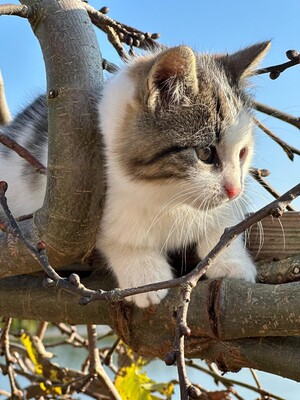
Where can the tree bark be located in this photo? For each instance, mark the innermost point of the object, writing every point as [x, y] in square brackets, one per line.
[69, 218]
[233, 323]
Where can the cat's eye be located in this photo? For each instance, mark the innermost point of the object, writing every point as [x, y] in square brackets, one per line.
[243, 153]
[206, 154]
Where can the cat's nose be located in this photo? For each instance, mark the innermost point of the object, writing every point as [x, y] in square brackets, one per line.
[232, 191]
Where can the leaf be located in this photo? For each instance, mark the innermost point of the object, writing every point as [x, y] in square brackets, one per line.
[40, 357]
[132, 384]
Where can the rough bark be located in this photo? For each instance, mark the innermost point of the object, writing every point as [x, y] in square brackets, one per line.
[69, 218]
[233, 323]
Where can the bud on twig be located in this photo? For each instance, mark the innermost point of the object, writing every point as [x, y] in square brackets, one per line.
[41, 246]
[170, 358]
[74, 279]
[194, 392]
[104, 10]
[274, 75]
[185, 330]
[292, 54]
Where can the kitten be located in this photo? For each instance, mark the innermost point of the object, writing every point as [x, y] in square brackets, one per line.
[178, 135]
[178, 138]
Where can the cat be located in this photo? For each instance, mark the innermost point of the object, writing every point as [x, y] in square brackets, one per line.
[178, 141]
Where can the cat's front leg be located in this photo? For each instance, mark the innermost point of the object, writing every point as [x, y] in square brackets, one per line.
[233, 262]
[137, 268]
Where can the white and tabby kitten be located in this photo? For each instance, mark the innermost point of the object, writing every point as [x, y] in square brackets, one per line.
[178, 139]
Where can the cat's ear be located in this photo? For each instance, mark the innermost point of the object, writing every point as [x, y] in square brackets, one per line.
[242, 64]
[172, 79]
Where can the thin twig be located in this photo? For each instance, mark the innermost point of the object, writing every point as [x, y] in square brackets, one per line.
[289, 150]
[230, 382]
[71, 331]
[255, 377]
[118, 33]
[14, 9]
[109, 66]
[274, 112]
[24, 153]
[96, 367]
[108, 356]
[41, 330]
[9, 359]
[276, 70]
[259, 175]
[13, 228]
[187, 390]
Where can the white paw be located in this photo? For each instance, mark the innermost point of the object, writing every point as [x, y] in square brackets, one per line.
[148, 299]
[144, 271]
[245, 271]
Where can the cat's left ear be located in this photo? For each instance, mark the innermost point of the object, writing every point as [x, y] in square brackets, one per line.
[172, 79]
[243, 63]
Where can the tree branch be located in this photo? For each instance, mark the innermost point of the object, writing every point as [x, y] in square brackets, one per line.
[118, 33]
[96, 367]
[289, 150]
[259, 175]
[24, 297]
[24, 153]
[14, 9]
[273, 112]
[69, 218]
[276, 70]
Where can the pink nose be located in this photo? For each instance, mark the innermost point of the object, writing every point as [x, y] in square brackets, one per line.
[232, 191]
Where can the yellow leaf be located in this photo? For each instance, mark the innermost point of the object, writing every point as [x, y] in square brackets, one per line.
[132, 384]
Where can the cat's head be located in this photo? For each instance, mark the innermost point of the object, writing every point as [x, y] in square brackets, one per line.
[185, 123]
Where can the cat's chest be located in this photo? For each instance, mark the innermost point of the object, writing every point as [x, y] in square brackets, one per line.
[178, 227]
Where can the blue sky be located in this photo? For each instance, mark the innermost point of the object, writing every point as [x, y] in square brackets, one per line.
[214, 26]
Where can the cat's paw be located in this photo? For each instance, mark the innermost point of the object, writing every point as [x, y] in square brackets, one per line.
[148, 299]
[244, 270]
[148, 270]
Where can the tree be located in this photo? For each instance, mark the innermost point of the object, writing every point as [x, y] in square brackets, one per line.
[65, 33]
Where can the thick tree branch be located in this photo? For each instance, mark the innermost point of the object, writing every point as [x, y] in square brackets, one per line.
[69, 219]
[24, 297]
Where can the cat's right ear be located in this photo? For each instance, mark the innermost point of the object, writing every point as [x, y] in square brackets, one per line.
[172, 79]
[242, 64]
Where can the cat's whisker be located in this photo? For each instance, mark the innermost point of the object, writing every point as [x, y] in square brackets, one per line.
[184, 193]
[250, 205]
[180, 217]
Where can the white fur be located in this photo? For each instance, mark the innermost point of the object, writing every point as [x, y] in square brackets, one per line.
[21, 198]
[143, 221]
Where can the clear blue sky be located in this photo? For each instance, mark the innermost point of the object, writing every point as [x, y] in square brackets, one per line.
[215, 26]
